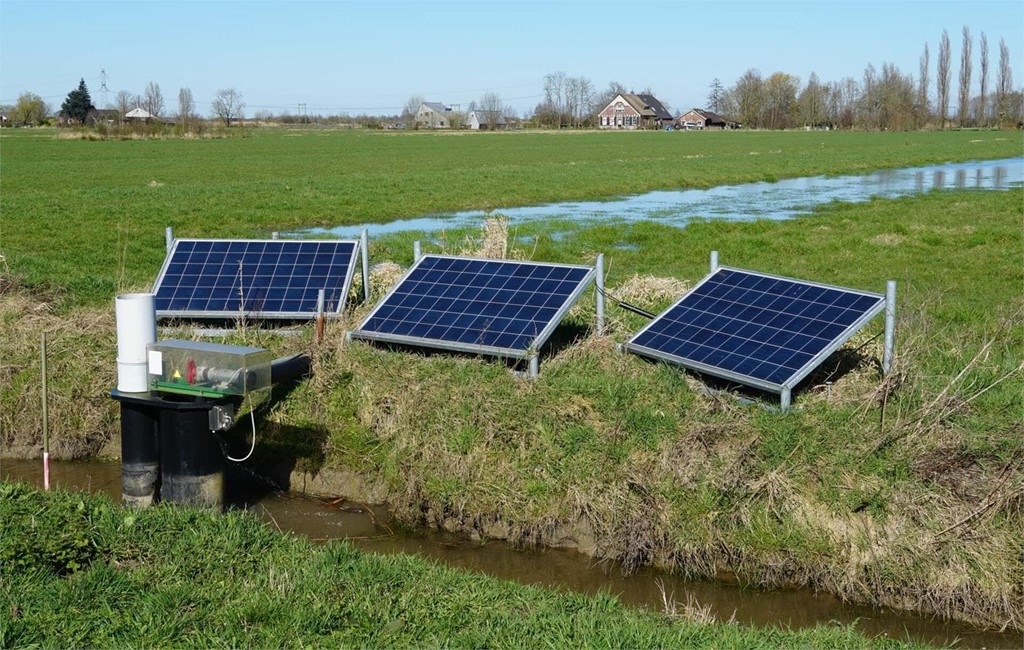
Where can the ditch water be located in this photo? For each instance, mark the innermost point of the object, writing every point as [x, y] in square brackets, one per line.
[370, 528]
[783, 199]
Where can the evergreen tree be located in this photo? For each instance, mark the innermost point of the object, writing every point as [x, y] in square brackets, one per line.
[78, 104]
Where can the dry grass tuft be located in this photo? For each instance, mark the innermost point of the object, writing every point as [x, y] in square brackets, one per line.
[691, 610]
[494, 242]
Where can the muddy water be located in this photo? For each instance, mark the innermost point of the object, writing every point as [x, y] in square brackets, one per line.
[784, 199]
[371, 529]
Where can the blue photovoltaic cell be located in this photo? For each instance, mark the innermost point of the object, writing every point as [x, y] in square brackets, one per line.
[468, 304]
[755, 328]
[261, 279]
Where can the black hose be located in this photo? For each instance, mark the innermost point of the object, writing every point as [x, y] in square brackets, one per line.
[289, 368]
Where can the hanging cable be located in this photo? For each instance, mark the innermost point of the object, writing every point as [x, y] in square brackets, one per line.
[252, 417]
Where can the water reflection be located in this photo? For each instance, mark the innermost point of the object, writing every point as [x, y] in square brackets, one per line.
[784, 199]
[370, 529]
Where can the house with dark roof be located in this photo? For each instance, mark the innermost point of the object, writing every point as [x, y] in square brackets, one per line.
[486, 121]
[698, 118]
[630, 111]
[433, 115]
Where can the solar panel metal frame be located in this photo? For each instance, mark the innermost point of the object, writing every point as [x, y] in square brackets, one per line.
[538, 341]
[798, 375]
[276, 315]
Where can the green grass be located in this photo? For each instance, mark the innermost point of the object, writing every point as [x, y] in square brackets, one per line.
[107, 202]
[169, 577]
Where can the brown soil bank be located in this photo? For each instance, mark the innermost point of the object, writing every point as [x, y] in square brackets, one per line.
[903, 492]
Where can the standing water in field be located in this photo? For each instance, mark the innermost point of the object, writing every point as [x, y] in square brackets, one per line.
[783, 199]
[370, 528]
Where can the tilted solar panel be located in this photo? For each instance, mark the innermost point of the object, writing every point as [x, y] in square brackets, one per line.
[281, 279]
[497, 307]
[756, 329]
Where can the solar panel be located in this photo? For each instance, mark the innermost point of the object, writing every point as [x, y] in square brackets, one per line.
[219, 278]
[496, 307]
[756, 329]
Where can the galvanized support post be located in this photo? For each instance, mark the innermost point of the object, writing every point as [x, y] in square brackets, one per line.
[714, 261]
[364, 249]
[416, 251]
[890, 326]
[785, 399]
[534, 366]
[600, 294]
[320, 300]
[168, 238]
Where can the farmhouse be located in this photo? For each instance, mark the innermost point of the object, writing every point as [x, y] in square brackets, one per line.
[433, 115]
[486, 121]
[629, 111]
[698, 118]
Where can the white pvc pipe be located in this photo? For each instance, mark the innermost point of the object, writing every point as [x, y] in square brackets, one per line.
[136, 328]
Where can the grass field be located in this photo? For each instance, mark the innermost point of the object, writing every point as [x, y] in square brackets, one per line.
[906, 491]
[87, 218]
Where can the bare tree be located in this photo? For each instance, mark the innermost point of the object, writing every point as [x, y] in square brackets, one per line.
[228, 105]
[579, 92]
[412, 107]
[554, 95]
[895, 96]
[489, 110]
[1004, 83]
[870, 101]
[123, 102]
[942, 78]
[965, 79]
[748, 98]
[922, 89]
[983, 98]
[186, 105]
[811, 102]
[153, 101]
[716, 95]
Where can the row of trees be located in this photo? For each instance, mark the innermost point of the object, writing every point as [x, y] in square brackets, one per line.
[885, 99]
[31, 110]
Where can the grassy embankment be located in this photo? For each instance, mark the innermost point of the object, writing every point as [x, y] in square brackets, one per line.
[905, 492]
[76, 572]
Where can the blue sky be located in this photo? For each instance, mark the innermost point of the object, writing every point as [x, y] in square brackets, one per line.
[370, 57]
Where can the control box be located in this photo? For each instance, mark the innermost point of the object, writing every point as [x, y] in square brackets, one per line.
[209, 369]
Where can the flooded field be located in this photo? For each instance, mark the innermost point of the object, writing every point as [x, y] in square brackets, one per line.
[783, 199]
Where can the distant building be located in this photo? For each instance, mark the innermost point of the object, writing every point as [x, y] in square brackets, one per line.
[629, 111]
[138, 114]
[486, 121]
[433, 115]
[698, 118]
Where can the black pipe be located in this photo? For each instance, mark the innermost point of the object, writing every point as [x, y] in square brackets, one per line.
[192, 465]
[289, 368]
[140, 454]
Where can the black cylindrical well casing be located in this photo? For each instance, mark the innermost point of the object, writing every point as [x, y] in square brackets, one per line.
[192, 465]
[140, 455]
[168, 451]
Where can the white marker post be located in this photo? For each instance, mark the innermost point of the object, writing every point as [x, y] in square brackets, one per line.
[600, 294]
[46, 428]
